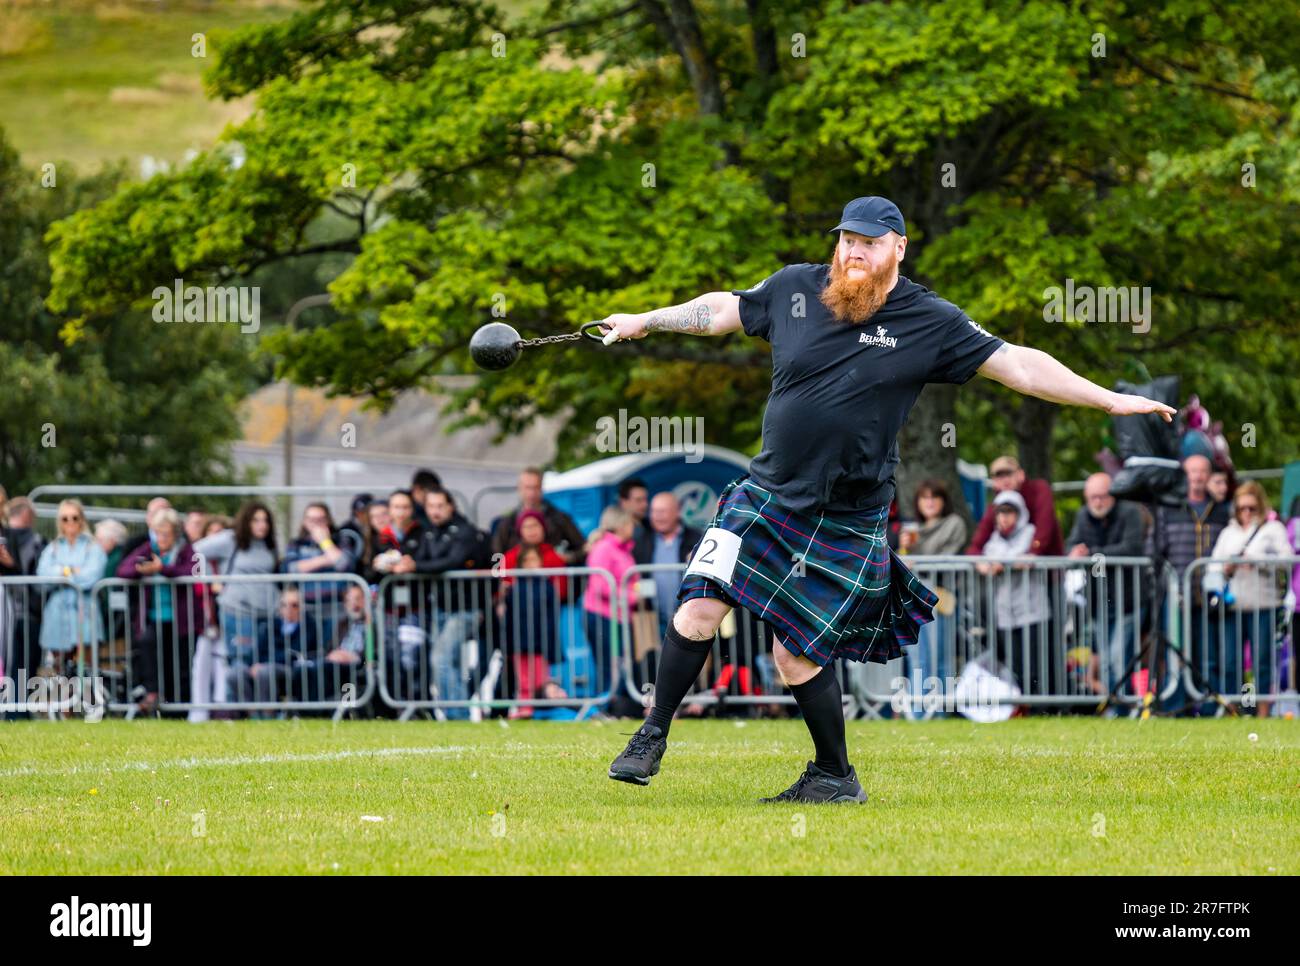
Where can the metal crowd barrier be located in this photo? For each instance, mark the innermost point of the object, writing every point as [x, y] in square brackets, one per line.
[182, 640]
[1062, 629]
[923, 683]
[1236, 618]
[740, 670]
[461, 643]
[43, 646]
[1067, 628]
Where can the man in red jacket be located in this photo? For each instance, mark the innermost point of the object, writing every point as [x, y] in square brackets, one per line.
[1008, 475]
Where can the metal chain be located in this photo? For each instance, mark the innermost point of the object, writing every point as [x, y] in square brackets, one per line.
[548, 339]
[551, 339]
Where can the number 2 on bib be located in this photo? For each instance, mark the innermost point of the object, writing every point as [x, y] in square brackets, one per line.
[716, 555]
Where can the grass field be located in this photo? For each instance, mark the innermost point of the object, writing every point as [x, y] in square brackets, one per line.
[1039, 795]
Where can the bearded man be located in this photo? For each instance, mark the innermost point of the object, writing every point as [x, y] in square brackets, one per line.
[800, 540]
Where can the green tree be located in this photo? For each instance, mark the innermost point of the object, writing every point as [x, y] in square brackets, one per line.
[123, 401]
[595, 156]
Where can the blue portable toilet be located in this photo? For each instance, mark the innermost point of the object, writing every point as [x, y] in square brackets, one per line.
[974, 486]
[585, 491]
[1290, 489]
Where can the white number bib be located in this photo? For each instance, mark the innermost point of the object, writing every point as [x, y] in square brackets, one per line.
[716, 555]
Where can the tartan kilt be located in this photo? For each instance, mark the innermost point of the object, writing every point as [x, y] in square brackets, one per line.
[828, 585]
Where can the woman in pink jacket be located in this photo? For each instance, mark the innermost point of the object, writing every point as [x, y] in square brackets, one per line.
[610, 548]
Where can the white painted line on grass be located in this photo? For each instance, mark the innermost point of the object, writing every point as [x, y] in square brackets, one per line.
[235, 760]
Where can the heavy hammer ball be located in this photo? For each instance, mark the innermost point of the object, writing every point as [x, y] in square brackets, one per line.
[495, 346]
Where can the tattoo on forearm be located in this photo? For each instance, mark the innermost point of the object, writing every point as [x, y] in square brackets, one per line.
[693, 317]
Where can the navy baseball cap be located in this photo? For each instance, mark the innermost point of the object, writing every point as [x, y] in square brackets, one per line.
[871, 216]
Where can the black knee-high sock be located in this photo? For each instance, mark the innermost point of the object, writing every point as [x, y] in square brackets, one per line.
[680, 662]
[820, 701]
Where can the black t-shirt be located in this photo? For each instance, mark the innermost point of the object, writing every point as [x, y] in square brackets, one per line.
[841, 392]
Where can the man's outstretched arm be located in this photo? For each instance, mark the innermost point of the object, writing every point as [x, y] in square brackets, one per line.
[713, 313]
[1035, 373]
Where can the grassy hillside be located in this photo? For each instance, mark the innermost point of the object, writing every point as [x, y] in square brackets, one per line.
[89, 82]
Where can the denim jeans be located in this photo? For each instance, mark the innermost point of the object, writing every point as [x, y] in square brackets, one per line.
[1114, 640]
[451, 629]
[324, 613]
[1259, 628]
[1197, 644]
[600, 638]
[244, 637]
[323, 680]
[407, 664]
[929, 658]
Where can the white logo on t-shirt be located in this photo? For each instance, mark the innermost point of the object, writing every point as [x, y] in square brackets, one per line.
[880, 338]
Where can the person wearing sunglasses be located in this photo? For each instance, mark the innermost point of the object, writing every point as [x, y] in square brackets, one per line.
[70, 620]
[1247, 597]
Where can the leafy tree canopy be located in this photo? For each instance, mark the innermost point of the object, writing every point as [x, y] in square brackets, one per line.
[595, 156]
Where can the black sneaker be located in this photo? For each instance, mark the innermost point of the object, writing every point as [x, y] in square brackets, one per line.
[640, 759]
[820, 787]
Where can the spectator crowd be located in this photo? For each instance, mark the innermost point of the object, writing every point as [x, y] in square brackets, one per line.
[217, 611]
[220, 610]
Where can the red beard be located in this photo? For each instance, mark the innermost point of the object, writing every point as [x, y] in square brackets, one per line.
[854, 300]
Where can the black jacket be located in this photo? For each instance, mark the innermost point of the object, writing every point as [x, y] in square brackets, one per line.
[643, 550]
[353, 539]
[11, 543]
[1120, 533]
[278, 648]
[25, 546]
[456, 545]
[1180, 535]
[409, 545]
[532, 618]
